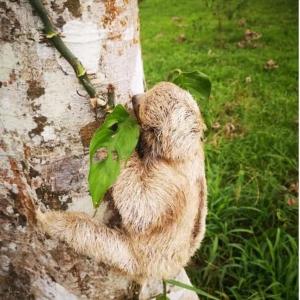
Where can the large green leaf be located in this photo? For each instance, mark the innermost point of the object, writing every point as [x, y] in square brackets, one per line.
[118, 136]
[101, 176]
[100, 139]
[196, 82]
[123, 142]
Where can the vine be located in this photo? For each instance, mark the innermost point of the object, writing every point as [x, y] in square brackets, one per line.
[53, 35]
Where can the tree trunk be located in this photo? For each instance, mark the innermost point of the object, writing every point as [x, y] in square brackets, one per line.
[46, 125]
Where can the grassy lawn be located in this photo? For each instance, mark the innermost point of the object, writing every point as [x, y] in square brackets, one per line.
[251, 246]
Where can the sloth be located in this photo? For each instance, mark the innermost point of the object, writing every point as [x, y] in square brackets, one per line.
[158, 203]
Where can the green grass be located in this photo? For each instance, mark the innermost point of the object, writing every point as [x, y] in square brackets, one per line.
[251, 249]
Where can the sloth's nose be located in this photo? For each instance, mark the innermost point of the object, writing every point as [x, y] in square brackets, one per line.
[136, 101]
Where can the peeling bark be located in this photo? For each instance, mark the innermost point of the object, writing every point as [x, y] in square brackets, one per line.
[45, 129]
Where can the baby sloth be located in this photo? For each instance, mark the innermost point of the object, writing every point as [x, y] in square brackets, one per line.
[159, 197]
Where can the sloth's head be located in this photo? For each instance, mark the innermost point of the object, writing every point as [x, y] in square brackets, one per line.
[170, 120]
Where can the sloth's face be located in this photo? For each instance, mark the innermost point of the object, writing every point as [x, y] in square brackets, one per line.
[170, 120]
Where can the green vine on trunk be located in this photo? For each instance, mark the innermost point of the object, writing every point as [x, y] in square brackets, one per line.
[52, 34]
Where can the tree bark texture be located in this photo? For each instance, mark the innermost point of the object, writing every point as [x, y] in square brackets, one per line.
[46, 123]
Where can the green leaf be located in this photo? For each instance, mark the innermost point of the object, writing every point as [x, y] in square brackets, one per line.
[126, 138]
[191, 288]
[196, 82]
[101, 176]
[119, 114]
[118, 135]
[100, 139]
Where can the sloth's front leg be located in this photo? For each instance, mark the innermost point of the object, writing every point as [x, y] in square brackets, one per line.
[90, 238]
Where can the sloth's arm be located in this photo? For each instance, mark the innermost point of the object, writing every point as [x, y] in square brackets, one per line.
[88, 237]
[149, 198]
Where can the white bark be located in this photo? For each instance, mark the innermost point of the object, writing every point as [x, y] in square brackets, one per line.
[45, 128]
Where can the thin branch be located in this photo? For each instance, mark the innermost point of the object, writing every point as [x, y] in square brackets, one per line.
[53, 36]
[164, 288]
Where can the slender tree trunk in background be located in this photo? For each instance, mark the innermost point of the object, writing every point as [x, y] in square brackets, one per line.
[45, 128]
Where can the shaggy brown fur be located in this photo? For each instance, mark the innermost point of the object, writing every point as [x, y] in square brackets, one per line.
[157, 207]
